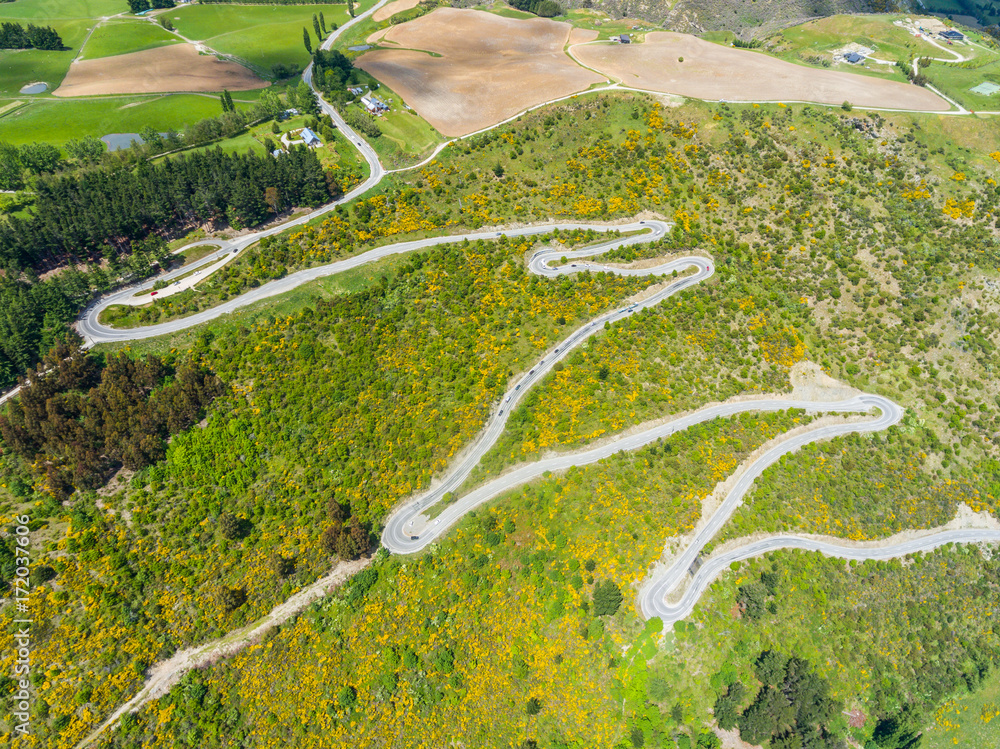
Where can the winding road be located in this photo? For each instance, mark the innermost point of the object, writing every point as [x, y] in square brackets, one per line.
[409, 530]
[670, 595]
[93, 331]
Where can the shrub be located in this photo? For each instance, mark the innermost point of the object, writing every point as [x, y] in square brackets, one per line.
[232, 598]
[230, 526]
[548, 9]
[607, 598]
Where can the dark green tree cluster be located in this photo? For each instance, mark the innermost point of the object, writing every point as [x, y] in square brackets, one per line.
[304, 99]
[607, 598]
[543, 8]
[19, 163]
[792, 709]
[345, 537]
[753, 596]
[727, 707]
[33, 316]
[79, 418]
[141, 6]
[362, 122]
[78, 216]
[15, 36]
[226, 99]
[333, 73]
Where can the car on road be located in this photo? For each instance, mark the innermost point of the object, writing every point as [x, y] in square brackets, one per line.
[414, 538]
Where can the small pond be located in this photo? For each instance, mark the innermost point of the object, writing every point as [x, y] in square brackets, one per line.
[117, 141]
[35, 88]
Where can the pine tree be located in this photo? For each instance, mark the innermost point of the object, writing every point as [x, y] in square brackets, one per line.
[607, 598]
[322, 23]
[350, 7]
[319, 32]
[306, 40]
[227, 101]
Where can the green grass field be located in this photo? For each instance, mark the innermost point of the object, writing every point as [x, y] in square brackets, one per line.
[261, 35]
[605, 26]
[21, 66]
[58, 121]
[49, 10]
[816, 41]
[121, 37]
[956, 82]
[406, 136]
[967, 721]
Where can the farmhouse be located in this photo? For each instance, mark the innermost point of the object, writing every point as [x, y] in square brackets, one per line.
[356, 90]
[951, 35]
[374, 104]
[854, 58]
[310, 138]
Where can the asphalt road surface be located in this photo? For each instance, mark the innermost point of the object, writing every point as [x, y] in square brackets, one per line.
[670, 613]
[408, 530]
[94, 332]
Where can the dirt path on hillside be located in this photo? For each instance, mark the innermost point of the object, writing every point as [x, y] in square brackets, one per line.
[164, 675]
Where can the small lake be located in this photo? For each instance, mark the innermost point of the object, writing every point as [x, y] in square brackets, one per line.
[117, 141]
[360, 47]
[35, 88]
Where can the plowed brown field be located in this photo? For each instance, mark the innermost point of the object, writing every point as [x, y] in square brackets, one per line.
[710, 71]
[490, 67]
[178, 67]
[391, 9]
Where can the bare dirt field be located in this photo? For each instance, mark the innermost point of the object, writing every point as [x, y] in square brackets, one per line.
[178, 67]
[710, 71]
[490, 67]
[579, 36]
[390, 9]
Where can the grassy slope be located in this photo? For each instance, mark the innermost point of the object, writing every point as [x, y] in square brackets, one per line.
[18, 67]
[815, 40]
[969, 720]
[261, 35]
[57, 122]
[616, 350]
[957, 82]
[121, 37]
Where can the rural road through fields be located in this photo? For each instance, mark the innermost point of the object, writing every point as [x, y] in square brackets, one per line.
[94, 332]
